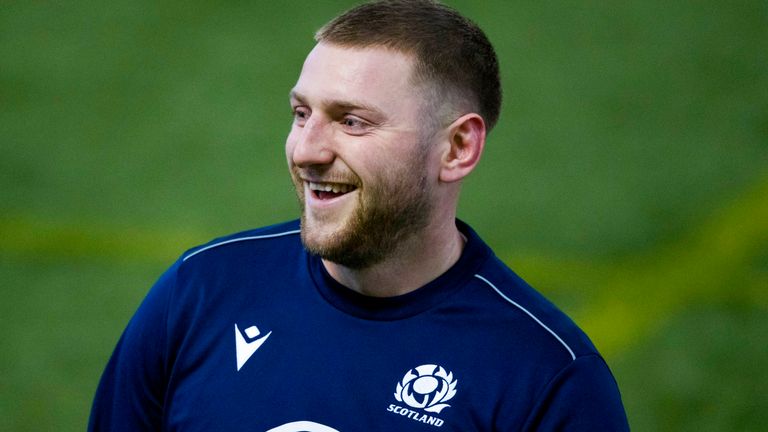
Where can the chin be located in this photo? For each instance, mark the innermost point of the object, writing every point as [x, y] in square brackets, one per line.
[314, 234]
[319, 233]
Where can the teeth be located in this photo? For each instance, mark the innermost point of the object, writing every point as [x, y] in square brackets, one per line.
[329, 187]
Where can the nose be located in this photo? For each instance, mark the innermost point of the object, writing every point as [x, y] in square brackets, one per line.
[311, 144]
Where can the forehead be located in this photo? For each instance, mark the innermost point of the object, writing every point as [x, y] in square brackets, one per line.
[374, 75]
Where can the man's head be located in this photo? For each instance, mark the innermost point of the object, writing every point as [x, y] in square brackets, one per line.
[384, 129]
[454, 61]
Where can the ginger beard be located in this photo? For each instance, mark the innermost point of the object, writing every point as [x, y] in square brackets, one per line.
[389, 209]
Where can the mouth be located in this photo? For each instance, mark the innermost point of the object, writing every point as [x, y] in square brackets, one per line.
[329, 191]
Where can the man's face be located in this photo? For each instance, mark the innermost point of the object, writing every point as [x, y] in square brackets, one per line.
[358, 154]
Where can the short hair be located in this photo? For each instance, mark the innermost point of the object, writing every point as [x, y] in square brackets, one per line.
[452, 54]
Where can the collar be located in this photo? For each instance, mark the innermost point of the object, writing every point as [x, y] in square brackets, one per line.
[410, 304]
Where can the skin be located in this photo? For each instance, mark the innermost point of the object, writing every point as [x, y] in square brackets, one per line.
[359, 121]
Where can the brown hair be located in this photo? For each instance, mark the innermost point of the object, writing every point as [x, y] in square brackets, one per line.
[453, 56]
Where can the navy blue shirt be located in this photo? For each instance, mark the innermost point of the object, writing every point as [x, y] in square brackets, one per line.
[251, 333]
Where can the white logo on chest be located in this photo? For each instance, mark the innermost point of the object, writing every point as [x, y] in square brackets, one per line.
[245, 349]
[427, 388]
[303, 426]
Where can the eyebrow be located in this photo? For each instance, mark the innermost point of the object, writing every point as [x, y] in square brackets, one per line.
[339, 104]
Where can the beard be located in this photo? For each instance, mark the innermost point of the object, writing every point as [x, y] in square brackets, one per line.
[389, 209]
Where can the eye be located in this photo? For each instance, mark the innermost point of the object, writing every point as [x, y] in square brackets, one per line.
[300, 115]
[351, 122]
[354, 125]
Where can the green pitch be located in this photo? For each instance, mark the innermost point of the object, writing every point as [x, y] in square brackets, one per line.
[627, 179]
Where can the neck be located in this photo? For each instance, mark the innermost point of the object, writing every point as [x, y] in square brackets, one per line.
[417, 261]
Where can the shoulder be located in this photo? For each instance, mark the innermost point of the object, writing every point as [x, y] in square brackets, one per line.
[273, 237]
[229, 269]
[522, 341]
[546, 355]
[517, 303]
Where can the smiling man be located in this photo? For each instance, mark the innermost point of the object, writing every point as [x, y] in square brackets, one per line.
[377, 180]
[378, 310]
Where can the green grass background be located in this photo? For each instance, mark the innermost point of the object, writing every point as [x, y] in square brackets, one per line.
[627, 180]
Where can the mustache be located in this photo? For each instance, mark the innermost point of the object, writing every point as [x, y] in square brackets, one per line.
[325, 175]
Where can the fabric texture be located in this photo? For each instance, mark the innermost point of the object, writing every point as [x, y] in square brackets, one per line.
[250, 333]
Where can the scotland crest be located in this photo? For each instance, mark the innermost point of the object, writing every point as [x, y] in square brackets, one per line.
[427, 387]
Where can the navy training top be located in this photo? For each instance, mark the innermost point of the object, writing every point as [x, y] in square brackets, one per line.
[251, 333]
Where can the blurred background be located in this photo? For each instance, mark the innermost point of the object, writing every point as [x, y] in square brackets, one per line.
[627, 180]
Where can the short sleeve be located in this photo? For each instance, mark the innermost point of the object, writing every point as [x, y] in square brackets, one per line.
[132, 388]
[582, 397]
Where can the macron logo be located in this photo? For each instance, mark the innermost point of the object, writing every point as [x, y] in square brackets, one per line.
[245, 349]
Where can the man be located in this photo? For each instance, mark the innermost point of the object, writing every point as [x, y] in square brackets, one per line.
[379, 311]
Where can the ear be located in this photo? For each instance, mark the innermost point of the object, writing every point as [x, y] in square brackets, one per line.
[466, 140]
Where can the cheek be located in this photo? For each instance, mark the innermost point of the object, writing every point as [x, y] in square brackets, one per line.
[290, 144]
[367, 166]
